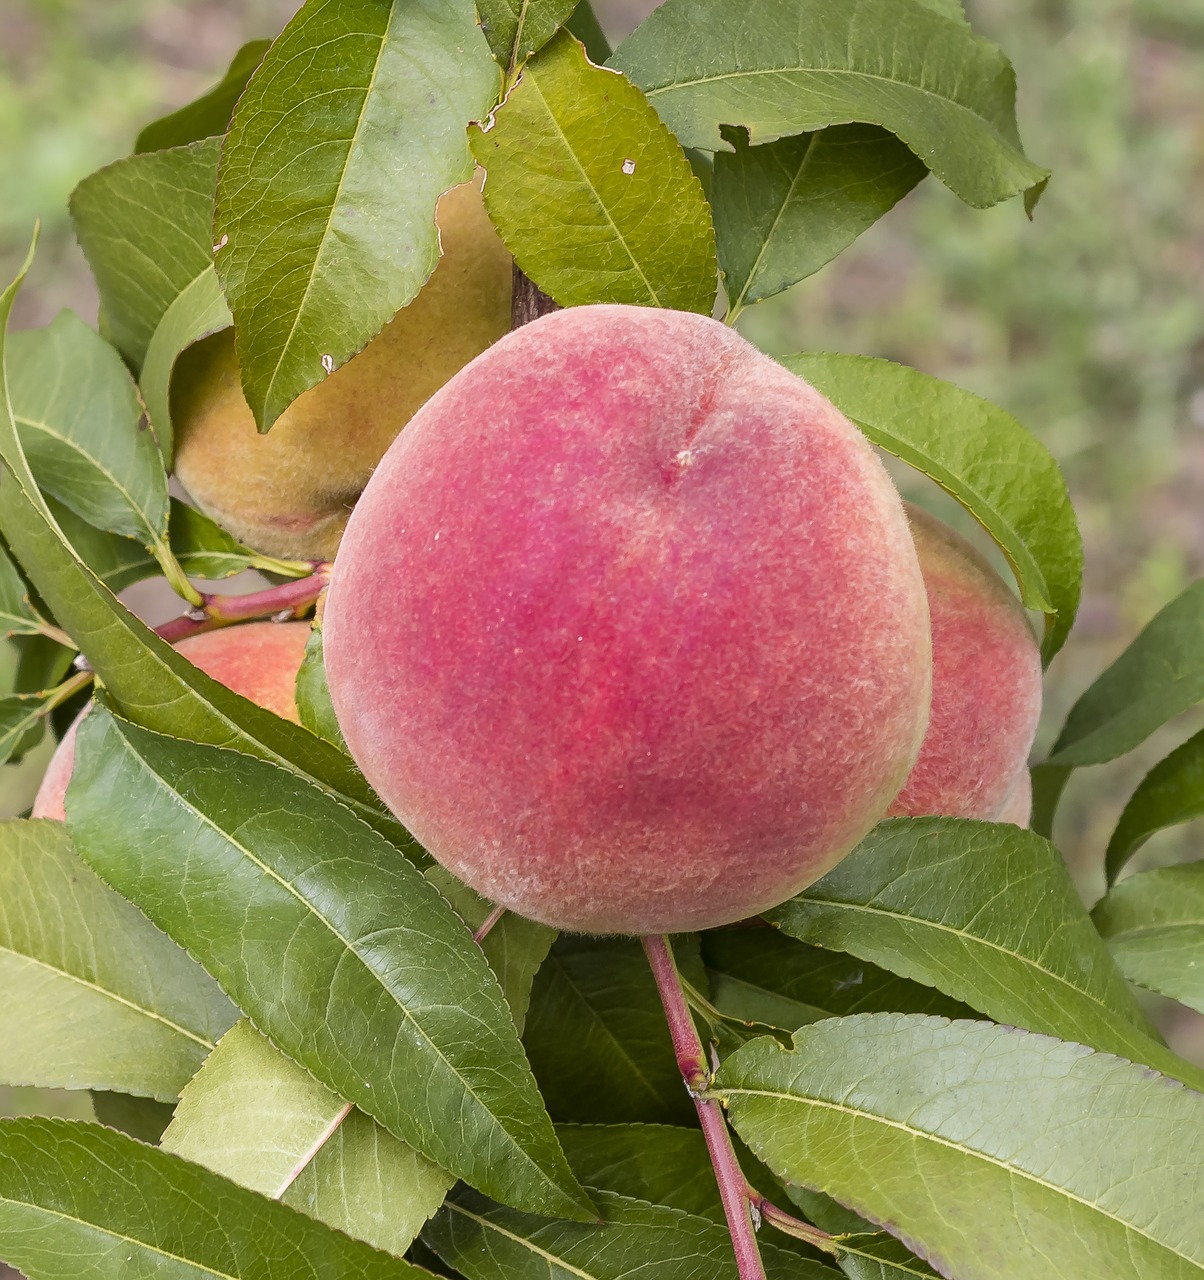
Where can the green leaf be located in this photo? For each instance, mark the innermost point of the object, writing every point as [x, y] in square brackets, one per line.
[981, 455]
[1171, 794]
[144, 676]
[94, 995]
[313, 696]
[760, 975]
[20, 713]
[18, 617]
[199, 310]
[78, 1202]
[785, 209]
[1153, 924]
[866, 1254]
[113, 560]
[1159, 675]
[80, 423]
[1060, 1162]
[514, 947]
[205, 550]
[634, 1239]
[209, 114]
[142, 1118]
[264, 1122]
[597, 1038]
[591, 193]
[781, 69]
[515, 29]
[330, 942]
[339, 149]
[988, 914]
[146, 227]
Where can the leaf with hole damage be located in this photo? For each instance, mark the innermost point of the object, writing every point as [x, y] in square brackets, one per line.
[980, 454]
[988, 914]
[345, 138]
[260, 1120]
[785, 209]
[591, 193]
[780, 69]
[1061, 1162]
[334, 945]
[209, 114]
[94, 995]
[1153, 924]
[146, 227]
[78, 1202]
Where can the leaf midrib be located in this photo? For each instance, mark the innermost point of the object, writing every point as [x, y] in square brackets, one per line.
[552, 1259]
[949, 1144]
[593, 190]
[204, 1043]
[349, 948]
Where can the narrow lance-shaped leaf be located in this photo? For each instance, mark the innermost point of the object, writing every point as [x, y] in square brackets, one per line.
[20, 714]
[209, 114]
[331, 943]
[1153, 924]
[145, 677]
[597, 1038]
[345, 138]
[517, 28]
[199, 310]
[1061, 1162]
[80, 423]
[785, 209]
[591, 193]
[1159, 676]
[585, 26]
[988, 914]
[866, 1253]
[635, 1239]
[78, 1201]
[94, 995]
[206, 550]
[146, 227]
[782, 69]
[313, 694]
[18, 617]
[981, 455]
[1171, 794]
[264, 1122]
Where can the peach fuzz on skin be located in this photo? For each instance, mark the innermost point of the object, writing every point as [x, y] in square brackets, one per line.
[258, 659]
[986, 683]
[628, 626]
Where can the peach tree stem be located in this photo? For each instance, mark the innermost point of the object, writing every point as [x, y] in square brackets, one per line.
[733, 1188]
[220, 611]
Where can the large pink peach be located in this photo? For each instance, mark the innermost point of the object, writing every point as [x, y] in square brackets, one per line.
[628, 627]
[259, 660]
[986, 682]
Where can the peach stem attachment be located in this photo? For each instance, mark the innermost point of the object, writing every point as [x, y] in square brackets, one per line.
[283, 601]
[733, 1187]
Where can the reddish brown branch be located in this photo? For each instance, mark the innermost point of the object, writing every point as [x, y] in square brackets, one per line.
[287, 600]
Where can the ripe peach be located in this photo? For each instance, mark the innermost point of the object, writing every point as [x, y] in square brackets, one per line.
[986, 682]
[258, 660]
[288, 493]
[628, 626]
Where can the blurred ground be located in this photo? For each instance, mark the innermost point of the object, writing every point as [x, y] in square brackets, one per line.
[1088, 323]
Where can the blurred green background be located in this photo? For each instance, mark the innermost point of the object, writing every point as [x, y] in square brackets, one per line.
[1087, 323]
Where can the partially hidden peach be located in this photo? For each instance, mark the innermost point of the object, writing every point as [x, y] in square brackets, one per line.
[288, 493]
[1018, 807]
[628, 627]
[986, 682]
[260, 660]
